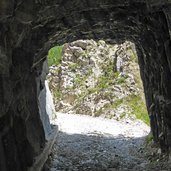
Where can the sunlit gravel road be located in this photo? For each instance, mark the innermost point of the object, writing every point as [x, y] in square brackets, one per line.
[85, 143]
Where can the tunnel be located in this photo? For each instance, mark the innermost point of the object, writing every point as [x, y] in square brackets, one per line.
[28, 29]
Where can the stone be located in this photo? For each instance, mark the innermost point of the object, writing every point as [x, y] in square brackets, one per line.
[159, 151]
[43, 113]
[87, 83]
[25, 30]
[50, 108]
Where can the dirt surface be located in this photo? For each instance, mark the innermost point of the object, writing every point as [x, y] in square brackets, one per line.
[85, 143]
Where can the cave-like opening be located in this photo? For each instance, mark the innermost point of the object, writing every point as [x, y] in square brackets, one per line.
[97, 79]
[94, 78]
[30, 28]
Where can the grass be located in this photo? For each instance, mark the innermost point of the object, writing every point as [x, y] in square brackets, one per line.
[73, 66]
[149, 138]
[98, 113]
[121, 80]
[93, 90]
[57, 93]
[133, 55]
[103, 82]
[78, 80]
[137, 105]
[55, 55]
[117, 103]
[139, 108]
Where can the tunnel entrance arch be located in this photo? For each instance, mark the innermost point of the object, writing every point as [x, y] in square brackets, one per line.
[118, 26]
[30, 28]
[98, 79]
[93, 78]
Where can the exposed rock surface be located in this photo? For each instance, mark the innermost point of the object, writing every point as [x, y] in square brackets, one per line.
[95, 78]
[30, 27]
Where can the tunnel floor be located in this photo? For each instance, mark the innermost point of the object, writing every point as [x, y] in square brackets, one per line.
[85, 143]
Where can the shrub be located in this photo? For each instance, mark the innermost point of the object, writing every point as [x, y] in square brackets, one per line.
[55, 55]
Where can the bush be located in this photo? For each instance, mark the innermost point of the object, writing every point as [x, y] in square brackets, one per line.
[55, 55]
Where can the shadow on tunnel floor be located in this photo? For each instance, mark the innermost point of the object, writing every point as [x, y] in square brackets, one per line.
[95, 151]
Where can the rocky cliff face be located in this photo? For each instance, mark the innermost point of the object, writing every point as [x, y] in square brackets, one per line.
[29, 28]
[95, 78]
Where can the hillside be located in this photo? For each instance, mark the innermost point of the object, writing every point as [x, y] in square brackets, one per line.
[96, 78]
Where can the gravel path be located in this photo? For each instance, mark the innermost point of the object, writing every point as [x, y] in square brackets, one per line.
[85, 143]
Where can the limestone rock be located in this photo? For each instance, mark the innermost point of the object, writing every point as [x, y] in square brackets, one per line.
[93, 76]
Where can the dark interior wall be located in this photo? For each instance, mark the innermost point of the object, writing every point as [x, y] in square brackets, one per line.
[29, 28]
[155, 71]
[21, 131]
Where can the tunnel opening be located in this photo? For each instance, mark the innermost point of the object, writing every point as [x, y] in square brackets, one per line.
[29, 29]
[97, 79]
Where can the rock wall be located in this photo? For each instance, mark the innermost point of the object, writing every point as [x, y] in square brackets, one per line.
[22, 135]
[147, 24]
[98, 79]
[29, 28]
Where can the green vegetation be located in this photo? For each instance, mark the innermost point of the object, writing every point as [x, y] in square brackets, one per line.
[93, 90]
[55, 55]
[98, 113]
[107, 79]
[116, 74]
[149, 138]
[139, 108]
[73, 66]
[137, 105]
[84, 54]
[103, 82]
[109, 70]
[57, 93]
[121, 80]
[117, 103]
[133, 54]
[122, 115]
[78, 80]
